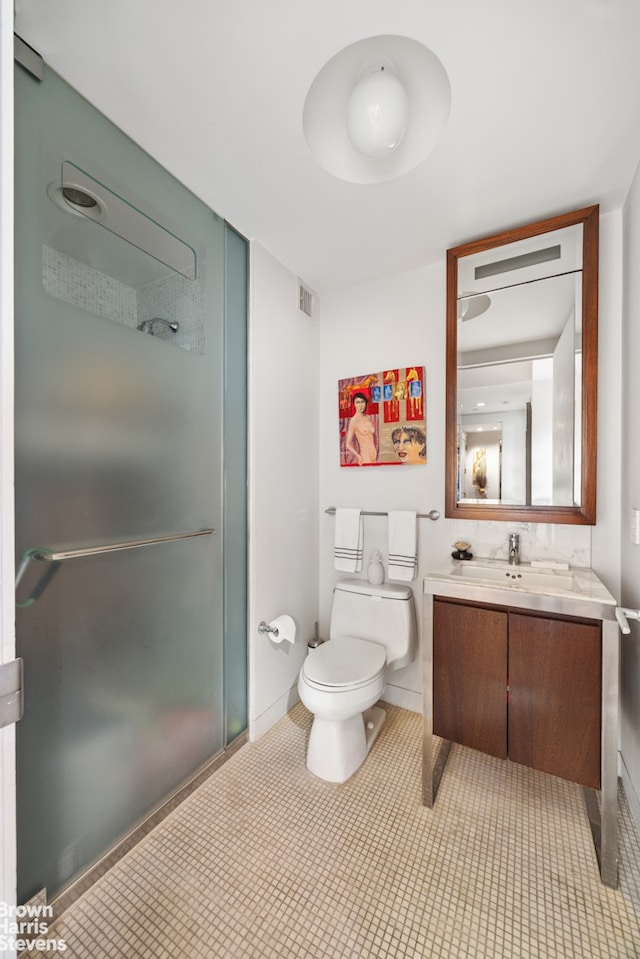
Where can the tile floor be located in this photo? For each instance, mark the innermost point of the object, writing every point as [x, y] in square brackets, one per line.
[264, 861]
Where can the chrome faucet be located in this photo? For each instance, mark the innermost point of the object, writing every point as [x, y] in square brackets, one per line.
[514, 549]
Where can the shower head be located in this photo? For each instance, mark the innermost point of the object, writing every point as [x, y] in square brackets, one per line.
[147, 326]
[77, 199]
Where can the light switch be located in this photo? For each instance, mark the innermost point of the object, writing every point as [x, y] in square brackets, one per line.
[635, 526]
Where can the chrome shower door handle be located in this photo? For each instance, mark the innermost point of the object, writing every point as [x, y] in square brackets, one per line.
[44, 554]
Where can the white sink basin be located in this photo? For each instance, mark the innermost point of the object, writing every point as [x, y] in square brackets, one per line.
[525, 577]
[481, 579]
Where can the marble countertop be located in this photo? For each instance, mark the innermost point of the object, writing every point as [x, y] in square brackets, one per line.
[574, 591]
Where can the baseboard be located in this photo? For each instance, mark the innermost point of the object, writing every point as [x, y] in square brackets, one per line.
[404, 698]
[394, 695]
[261, 724]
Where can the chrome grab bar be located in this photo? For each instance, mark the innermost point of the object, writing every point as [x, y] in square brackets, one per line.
[43, 554]
[432, 514]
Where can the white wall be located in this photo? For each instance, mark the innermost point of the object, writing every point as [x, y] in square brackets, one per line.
[393, 323]
[605, 537]
[283, 493]
[564, 410]
[541, 430]
[630, 554]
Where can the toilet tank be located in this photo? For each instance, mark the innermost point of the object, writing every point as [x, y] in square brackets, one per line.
[382, 614]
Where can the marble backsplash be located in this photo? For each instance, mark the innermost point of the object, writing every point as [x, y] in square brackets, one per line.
[538, 541]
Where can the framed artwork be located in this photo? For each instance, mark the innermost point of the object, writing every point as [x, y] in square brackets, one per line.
[382, 418]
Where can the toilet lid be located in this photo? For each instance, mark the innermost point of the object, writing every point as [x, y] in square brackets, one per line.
[345, 662]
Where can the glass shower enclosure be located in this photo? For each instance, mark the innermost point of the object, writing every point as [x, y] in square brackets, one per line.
[130, 507]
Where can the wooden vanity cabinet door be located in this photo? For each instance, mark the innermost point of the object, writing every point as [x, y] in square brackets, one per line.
[555, 680]
[469, 676]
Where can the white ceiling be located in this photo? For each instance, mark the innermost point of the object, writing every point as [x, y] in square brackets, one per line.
[545, 114]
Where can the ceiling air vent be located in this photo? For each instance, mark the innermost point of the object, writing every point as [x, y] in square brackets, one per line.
[305, 299]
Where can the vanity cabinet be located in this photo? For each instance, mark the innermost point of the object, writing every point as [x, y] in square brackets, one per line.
[525, 665]
[519, 684]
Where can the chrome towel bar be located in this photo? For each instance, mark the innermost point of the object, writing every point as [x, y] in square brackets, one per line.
[432, 514]
[43, 554]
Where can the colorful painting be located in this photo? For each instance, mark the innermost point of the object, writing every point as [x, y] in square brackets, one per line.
[382, 418]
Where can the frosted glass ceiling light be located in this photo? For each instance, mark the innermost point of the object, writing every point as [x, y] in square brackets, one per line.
[376, 109]
[377, 113]
[471, 305]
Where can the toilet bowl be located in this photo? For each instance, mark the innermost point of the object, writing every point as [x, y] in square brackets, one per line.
[338, 683]
[341, 680]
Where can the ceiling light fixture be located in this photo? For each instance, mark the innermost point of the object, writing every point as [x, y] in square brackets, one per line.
[377, 113]
[471, 305]
[376, 109]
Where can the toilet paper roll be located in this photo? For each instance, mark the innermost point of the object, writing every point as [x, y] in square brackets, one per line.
[286, 629]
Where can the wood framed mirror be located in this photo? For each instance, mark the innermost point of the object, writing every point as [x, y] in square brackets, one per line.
[521, 378]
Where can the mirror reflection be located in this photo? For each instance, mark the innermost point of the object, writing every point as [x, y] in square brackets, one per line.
[519, 363]
[517, 315]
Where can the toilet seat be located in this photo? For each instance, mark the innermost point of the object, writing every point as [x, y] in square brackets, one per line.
[348, 663]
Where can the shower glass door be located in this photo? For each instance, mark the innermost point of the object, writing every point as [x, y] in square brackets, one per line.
[120, 379]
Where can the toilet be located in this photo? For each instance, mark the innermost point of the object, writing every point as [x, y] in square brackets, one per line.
[372, 632]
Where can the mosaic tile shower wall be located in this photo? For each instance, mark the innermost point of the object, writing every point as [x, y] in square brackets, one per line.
[173, 297]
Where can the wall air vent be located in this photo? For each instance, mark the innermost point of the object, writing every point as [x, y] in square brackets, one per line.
[305, 299]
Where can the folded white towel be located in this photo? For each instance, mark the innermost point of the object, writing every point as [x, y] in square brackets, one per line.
[403, 545]
[348, 540]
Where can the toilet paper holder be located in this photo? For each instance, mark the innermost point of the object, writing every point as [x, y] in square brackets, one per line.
[282, 629]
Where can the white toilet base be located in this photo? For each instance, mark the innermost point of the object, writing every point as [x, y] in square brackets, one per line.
[338, 747]
[373, 720]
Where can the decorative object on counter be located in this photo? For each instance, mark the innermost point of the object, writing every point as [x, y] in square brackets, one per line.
[375, 571]
[382, 419]
[461, 550]
[403, 545]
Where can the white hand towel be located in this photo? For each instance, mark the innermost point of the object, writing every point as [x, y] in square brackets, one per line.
[403, 545]
[348, 540]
